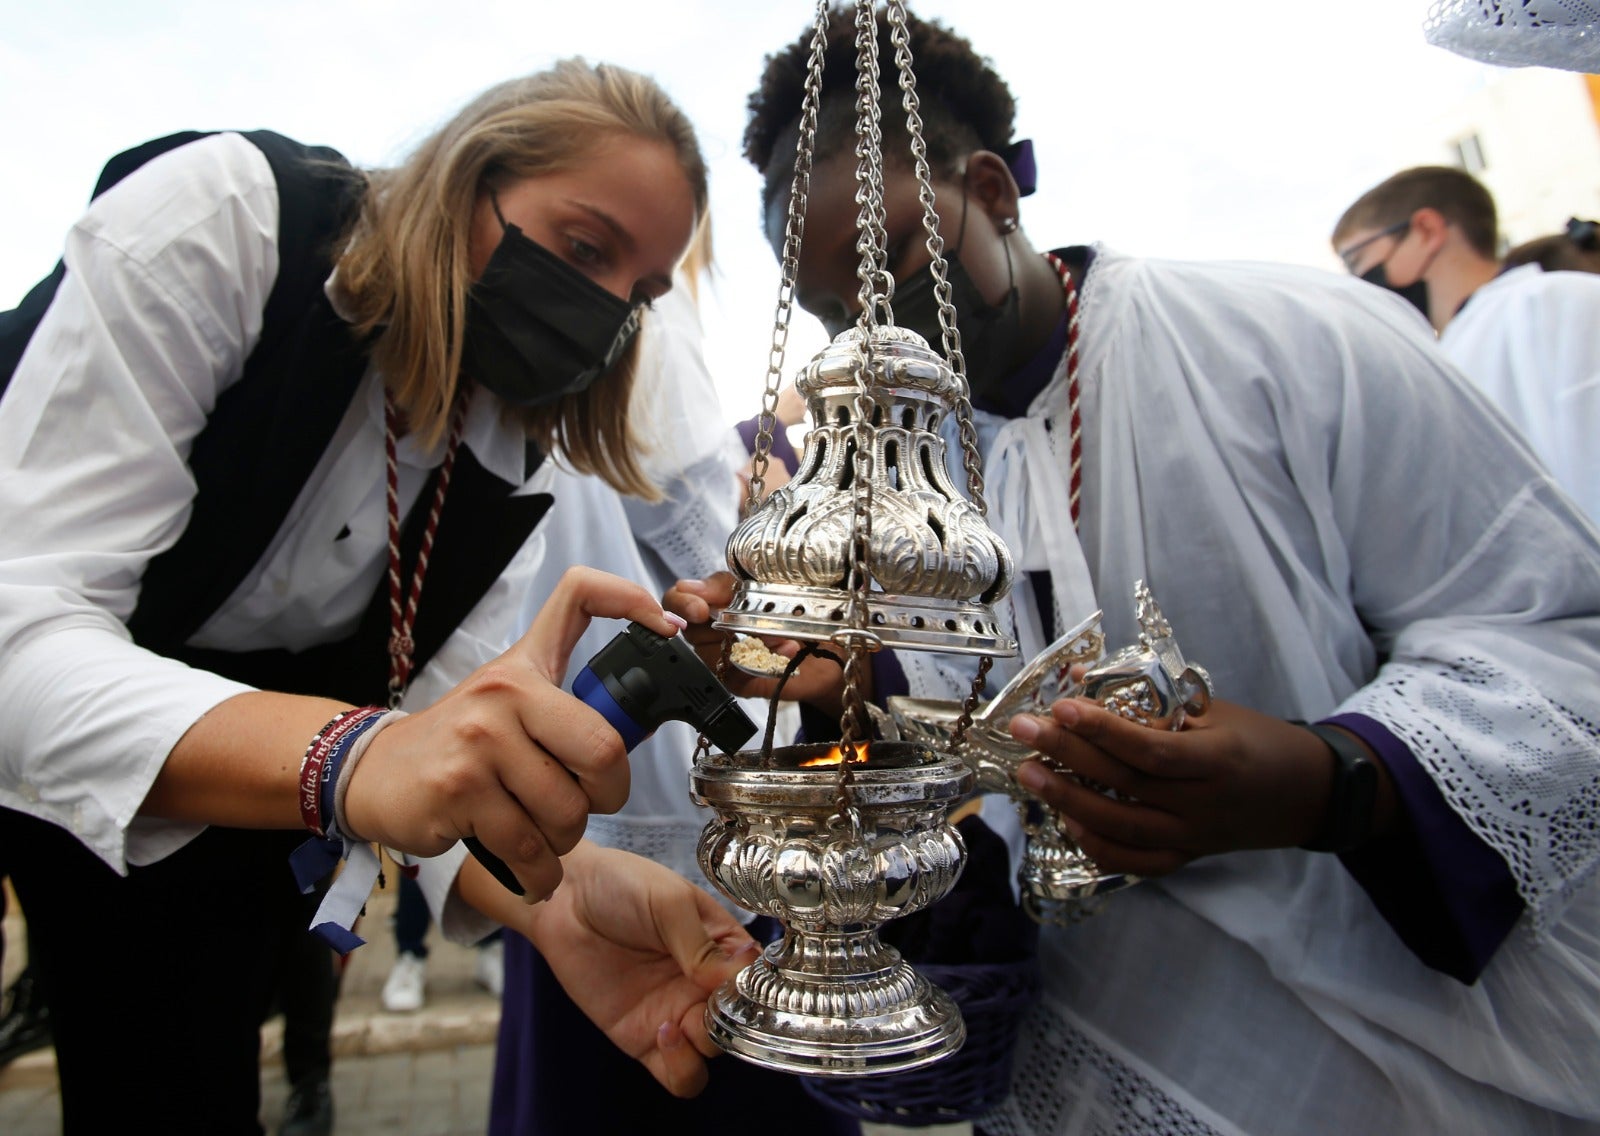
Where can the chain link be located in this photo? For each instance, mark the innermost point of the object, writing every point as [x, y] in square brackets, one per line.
[970, 704]
[971, 460]
[876, 289]
[872, 236]
[793, 235]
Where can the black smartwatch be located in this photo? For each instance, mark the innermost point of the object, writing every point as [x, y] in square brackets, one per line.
[1354, 795]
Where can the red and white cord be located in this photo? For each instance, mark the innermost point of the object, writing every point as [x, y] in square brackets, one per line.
[1074, 417]
[403, 607]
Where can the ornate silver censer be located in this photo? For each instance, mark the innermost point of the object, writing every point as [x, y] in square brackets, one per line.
[870, 545]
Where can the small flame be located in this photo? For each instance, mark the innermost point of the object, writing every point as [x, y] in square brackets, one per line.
[835, 756]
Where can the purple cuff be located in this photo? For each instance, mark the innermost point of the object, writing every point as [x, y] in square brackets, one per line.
[1448, 895]
[781, 449]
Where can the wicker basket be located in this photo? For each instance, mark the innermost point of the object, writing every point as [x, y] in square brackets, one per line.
[964, 1086]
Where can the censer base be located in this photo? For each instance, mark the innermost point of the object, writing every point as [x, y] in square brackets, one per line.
[770, 1016]
[832, 864]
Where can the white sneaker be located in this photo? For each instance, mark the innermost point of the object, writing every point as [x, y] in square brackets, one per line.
[491, 967]
[403, 989]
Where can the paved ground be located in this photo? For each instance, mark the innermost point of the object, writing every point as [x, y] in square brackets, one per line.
[436, 1092]
[422, 1074]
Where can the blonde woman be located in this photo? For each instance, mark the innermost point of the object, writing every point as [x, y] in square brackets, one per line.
[267, 464]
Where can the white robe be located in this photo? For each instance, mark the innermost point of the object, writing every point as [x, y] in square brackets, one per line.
[1530, 340]
[1333, 520]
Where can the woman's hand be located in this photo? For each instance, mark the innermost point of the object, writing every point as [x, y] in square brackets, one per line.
[639, 949]
[507, 756]
[1230, 779]
[818, 681]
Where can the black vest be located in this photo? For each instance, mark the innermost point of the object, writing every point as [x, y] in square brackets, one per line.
[265, 437]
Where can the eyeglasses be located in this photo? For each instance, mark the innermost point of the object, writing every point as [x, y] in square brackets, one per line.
[1349, 255]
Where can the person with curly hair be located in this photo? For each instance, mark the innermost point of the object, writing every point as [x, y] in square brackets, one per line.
[1386, 920]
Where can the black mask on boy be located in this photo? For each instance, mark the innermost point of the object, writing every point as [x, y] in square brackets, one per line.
[1416, 291]
[538, 329]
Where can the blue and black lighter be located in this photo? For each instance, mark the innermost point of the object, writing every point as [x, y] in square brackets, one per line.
[638, 681]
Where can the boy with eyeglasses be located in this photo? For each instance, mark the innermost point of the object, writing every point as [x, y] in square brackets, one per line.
[1525, 337]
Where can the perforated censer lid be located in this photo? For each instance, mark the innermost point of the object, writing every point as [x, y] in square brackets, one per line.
[937, 566]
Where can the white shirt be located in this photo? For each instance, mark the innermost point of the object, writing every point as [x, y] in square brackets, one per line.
[1530, 340]
[167, 277]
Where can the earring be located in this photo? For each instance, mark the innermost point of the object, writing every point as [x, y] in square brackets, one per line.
[1007, 225]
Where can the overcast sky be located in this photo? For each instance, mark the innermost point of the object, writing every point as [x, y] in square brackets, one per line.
[1164, 127]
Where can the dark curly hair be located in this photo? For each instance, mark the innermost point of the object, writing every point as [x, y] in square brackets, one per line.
[964, 104]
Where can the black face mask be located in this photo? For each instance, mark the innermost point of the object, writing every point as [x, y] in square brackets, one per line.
[538, 329]
[988, 331]
[1416, 292]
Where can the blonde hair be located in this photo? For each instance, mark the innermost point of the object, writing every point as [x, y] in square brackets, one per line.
[405, 270]
[700, 261]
